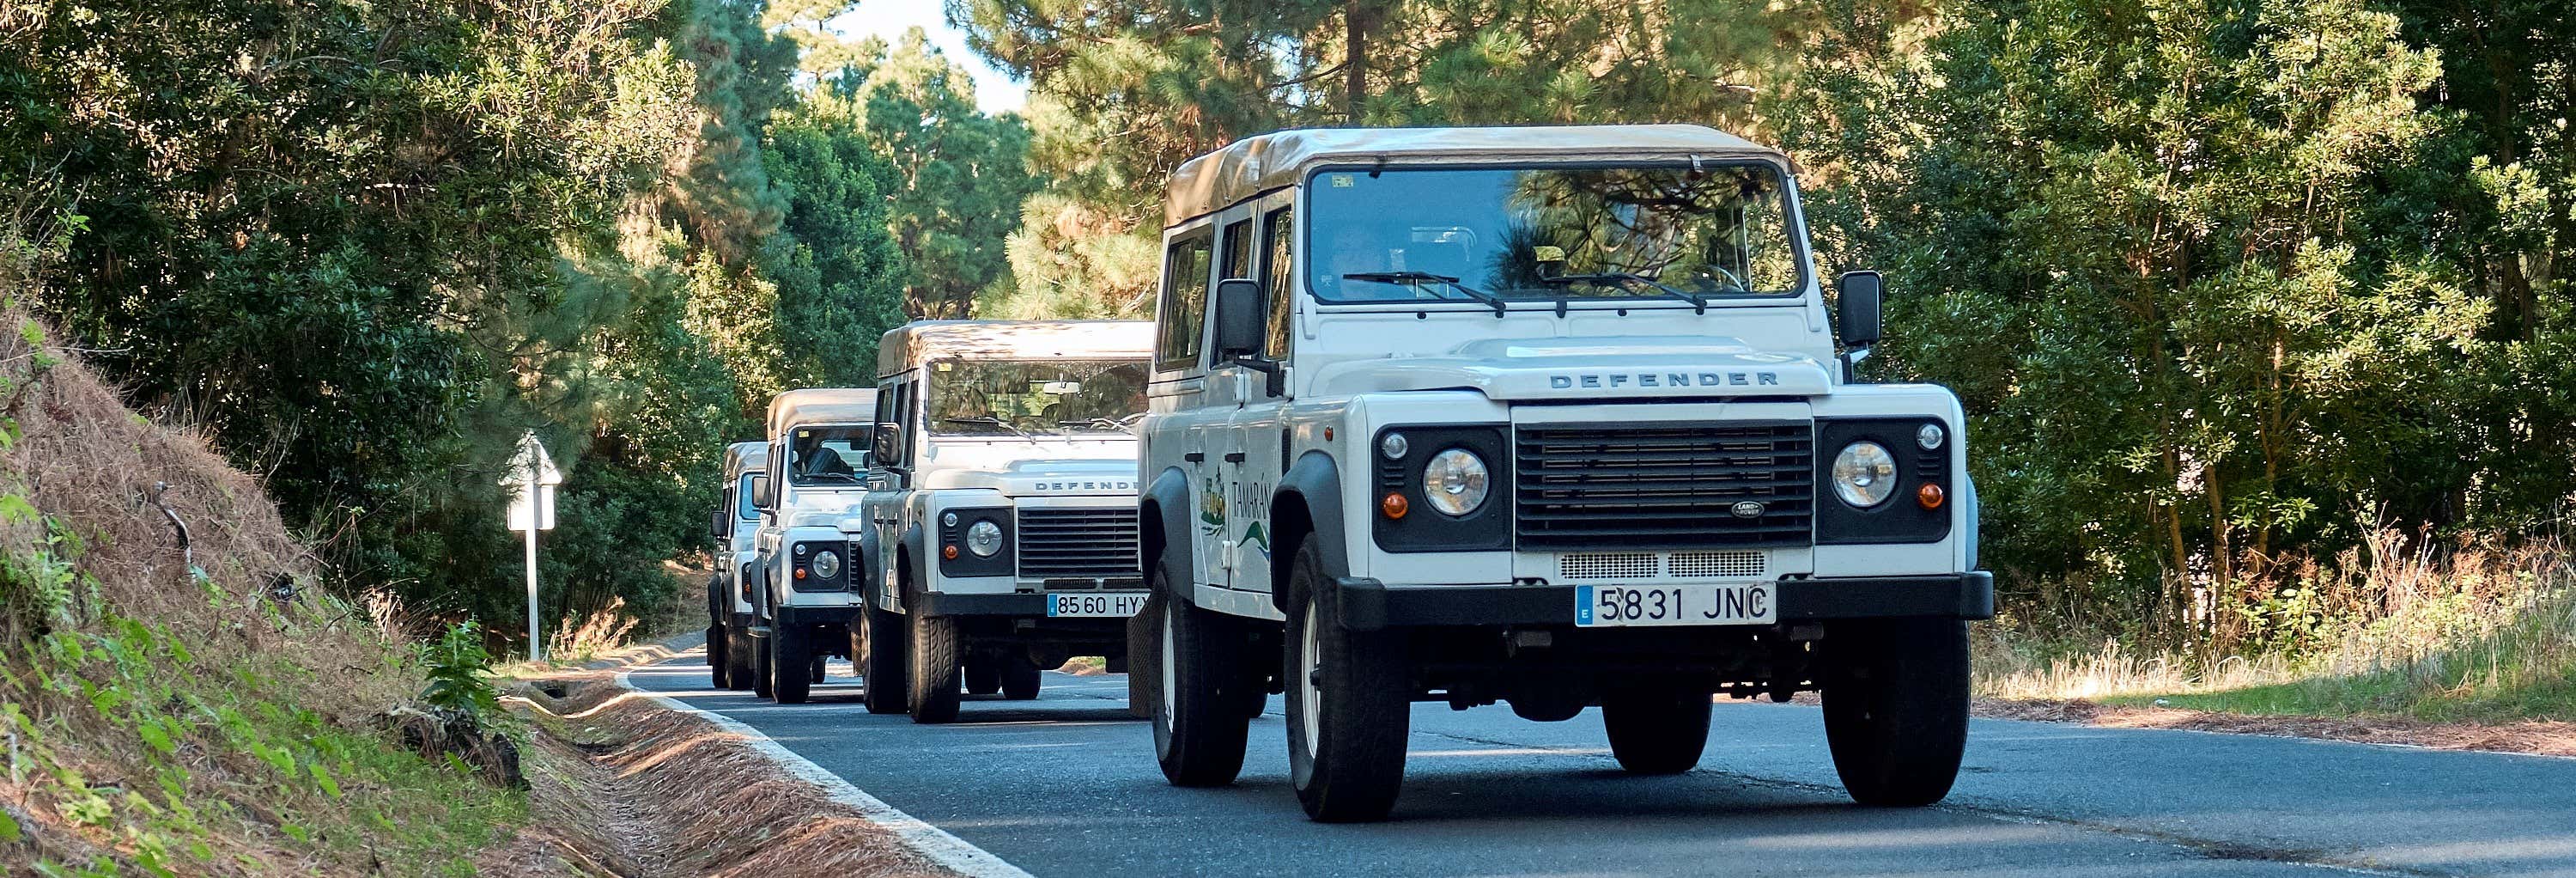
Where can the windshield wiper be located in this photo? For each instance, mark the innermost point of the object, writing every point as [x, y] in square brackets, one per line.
[1623, 277]
[1425, 277]
[1119, 426]
[989, 420]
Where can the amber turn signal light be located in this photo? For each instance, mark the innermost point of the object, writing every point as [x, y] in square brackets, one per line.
[1929, 495]
[1394, 505]
[948, 552]
[800, 572]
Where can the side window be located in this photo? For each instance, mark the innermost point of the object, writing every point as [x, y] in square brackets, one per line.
[1238, 250]
[1281, 281]
[1183, 317]
[904, 393]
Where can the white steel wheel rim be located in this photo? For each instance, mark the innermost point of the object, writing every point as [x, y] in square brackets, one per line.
[1171, 685]
[1309, 661]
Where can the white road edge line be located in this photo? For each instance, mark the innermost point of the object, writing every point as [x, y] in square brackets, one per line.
[933, 843]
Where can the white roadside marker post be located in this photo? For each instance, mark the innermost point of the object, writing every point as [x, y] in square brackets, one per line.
[531, 482]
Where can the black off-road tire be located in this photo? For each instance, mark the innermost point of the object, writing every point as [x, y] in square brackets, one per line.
[790, 663]
[719, 665]
[932, 670]
[1145, 657]
[1199, 736]
[1896, 708]
[1020, 678]
[739, 648]
[817, 673]
[1656, 732]
[880, 643]
[760, 649]
[983, 675]
[1363, 704]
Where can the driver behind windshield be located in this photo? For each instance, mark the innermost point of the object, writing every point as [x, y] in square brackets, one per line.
[825, 455]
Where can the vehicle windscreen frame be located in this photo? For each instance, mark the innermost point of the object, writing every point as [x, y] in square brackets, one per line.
[936, 425]
[1793, 213]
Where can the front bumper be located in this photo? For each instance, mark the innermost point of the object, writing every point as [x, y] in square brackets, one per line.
[1368, 605]
[830, 615]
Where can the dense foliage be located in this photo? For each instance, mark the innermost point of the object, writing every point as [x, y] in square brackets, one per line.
[2227, 285]
[365, 246]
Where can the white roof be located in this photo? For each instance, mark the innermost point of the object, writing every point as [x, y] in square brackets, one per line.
[743, 457]
[822, 405]
[912, 344]
[1254, 165]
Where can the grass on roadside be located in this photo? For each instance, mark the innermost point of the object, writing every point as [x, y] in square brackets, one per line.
[2482, 638]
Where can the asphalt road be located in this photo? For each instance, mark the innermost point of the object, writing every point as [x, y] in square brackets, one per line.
[1066, 786]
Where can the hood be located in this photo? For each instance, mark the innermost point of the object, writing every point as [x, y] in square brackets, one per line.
[1591, 369]
[1035, 478]
[825, 510]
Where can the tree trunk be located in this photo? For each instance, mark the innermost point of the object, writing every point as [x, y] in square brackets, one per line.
[1357, 19]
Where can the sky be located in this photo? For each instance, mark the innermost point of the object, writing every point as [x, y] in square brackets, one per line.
[995, 91]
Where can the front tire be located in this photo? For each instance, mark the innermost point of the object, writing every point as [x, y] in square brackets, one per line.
[719, 664]
[1349, 704]
[932, 670]
[1656, 732]
[739, 650]
[1020, 678]
[1896, 708]
[1199, 736]
[879, 648]
[760, 678]
[790, 663]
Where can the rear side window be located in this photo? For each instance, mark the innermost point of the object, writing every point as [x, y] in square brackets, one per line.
[1280, 283]
[1238, 250]
[1184, 312]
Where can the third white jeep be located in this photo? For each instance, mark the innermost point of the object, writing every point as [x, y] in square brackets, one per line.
[1551, 416]
[1000, 537]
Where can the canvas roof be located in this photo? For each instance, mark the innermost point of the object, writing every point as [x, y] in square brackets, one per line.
[1254, 165]
[914, 343]
[822, 405]
[743, 457]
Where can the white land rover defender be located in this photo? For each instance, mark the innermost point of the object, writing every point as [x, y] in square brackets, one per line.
[1550, 416]
[1000, 538]
[817, 471]
[729, 594]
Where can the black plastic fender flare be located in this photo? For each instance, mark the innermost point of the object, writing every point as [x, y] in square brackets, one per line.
[1315, 482]
[1169, 498]
[916, 546]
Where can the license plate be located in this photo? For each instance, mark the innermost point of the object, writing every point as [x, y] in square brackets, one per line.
[1118, 604]
[1604, 606]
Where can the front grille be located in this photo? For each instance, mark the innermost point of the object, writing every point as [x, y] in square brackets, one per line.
[1078, 544]
[1608, 565]
[1724, 565]
[1663, 486]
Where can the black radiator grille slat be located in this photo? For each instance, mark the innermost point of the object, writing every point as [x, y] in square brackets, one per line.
[1087, 544]
[1664, 486]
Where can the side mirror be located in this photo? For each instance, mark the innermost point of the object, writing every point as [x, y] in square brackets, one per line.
[762, 498]
[1856, 308]
[885, 446]
[717, 529]
[1239, 315]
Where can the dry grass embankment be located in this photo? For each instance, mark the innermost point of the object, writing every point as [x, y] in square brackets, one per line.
[206, 711]
[2461, 646]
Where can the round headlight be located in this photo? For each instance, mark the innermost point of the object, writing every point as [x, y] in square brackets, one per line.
[984, 538]
[827, 564]
[1864, 474]
[1455, 481]
[1393, 446]
[1928, 436]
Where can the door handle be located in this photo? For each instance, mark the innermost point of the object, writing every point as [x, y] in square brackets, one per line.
[1234, 457]
[1194, 456]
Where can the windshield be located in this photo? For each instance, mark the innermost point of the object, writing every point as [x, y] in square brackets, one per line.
[1546, 233]
[742, 507]
[827, 456]
[1036, 398]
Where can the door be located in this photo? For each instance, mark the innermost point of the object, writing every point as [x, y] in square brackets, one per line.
[1182, 438]
[1256, 445]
